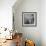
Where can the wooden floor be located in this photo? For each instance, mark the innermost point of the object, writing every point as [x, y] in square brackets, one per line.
[9, 43]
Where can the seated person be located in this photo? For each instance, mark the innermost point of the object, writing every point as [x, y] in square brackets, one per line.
[18, 40]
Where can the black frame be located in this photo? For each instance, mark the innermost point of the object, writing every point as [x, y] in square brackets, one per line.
[35, 19]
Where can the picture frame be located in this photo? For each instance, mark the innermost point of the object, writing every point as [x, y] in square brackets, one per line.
[29, 19]
[13, 22]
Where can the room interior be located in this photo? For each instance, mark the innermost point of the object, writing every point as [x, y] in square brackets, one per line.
[12, 31]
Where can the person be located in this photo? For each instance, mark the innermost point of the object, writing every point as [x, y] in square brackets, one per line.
[29, 43]
[27, 22]
[18, 40]
[29, 19]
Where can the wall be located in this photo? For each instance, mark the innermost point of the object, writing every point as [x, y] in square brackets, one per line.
[43, 22]
[6, 13]
[33, 33]
[26, 5]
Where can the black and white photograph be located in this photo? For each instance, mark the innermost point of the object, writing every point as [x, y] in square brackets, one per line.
[29, 19]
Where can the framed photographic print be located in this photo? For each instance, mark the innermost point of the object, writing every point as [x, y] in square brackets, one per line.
[29, 19]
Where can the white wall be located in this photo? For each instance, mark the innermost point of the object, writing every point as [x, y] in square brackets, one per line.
[27, 5]
[6, 13]
[43, 22]
[33, 33]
